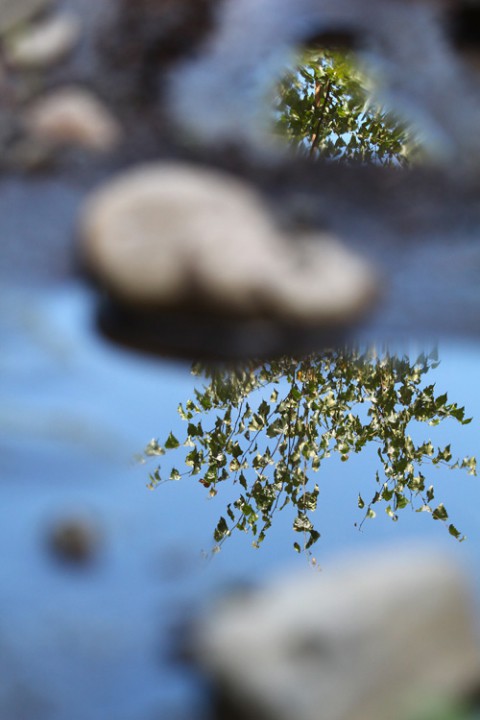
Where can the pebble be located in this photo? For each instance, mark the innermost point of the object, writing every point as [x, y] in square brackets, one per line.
[73, 116]
[378, 636]
[44, 43]
[74, 541]
[168, 233]
[14, 12]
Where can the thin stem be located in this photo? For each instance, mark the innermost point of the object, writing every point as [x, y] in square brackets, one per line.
[321, 106]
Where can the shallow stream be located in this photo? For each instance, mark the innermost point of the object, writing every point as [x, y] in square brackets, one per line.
[98, 638]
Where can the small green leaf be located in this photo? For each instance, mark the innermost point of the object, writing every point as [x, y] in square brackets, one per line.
[154, 449]
[401, 501]
[391, 514]
[456, 534]
[221, 530]
[172, 442]
[440, 513]
[195, 430]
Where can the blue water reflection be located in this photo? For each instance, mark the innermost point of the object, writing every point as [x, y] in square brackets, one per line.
[94, 642]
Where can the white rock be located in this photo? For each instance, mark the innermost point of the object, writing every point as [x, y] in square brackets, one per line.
[160, 231]
[13, 12]
[165, 233]
[44, 43]
[370, 640]
[73, 116]
[324, 280]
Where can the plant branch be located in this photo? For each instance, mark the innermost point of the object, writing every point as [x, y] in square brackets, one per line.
[321, 106]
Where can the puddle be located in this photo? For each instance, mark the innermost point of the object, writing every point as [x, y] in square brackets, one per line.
[95, 640]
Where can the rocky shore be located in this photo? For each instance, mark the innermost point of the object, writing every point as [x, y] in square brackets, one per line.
[86, 106]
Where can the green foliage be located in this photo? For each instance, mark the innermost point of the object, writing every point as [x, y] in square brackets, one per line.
[325, 107]
[441, 709]
[337, 402]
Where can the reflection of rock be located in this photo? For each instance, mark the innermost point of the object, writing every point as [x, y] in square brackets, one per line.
[45, 43]
[73, 116]
[368, 641]
[170, 234]
[13, 12]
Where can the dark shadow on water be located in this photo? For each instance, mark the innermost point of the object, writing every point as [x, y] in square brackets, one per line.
[190, 332]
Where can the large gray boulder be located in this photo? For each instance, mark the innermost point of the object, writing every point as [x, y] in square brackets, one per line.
[170, 233]
[376, 638]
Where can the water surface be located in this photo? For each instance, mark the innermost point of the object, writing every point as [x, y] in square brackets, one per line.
[96, 640]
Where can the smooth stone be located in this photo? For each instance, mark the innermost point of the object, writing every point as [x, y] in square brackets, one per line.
[380, 636]
[151, 235]
[13, 12]
[45, 43]
[340, 284]
[170, 233]
[73, 116]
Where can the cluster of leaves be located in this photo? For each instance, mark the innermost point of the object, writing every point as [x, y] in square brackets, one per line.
[324, 106]
[337, 402]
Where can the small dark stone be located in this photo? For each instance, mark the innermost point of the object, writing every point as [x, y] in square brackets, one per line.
[74, 541]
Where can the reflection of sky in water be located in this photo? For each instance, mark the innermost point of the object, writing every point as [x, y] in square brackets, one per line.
[74, 410]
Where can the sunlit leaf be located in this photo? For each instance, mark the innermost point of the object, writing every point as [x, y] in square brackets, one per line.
[172, 442]
[440, 513]
[154, 449]
[272, 450]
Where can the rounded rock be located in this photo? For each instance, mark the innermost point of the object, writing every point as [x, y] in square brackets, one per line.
[324, 282]
[44, 43]
[169, 232]
[73, 116]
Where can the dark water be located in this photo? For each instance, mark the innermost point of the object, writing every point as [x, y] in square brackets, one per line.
[96, 640]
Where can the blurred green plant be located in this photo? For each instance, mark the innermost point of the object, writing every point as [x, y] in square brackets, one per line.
[325, 106]
[268, 428]
[445, 710]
